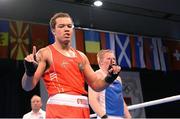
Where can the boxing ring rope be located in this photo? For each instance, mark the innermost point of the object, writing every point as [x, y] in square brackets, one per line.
[154, 102]
[150, 103]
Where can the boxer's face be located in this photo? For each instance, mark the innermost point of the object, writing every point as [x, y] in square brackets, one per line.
[107, 60]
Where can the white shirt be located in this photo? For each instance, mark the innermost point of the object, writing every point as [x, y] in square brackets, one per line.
[31, 115]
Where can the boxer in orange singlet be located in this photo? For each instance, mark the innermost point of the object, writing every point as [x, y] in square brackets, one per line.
[64, 71]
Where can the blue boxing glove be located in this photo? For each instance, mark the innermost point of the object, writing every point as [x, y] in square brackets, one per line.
[111, 76]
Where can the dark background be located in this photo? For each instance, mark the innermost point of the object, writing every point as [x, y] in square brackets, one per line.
[152, 18]
[15, 102]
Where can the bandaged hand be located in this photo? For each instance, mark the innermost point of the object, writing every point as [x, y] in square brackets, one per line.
[113, 73]
[30, 63]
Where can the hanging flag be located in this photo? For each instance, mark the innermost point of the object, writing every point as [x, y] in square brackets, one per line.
[102, 40]
[73, 41]
[173, 51]
[163, 55]
[137, 52]
[155, 53]
[39, 35]
[122, 46]
[132, 92]
[92, 45]
[19, 40]
[148, 52]
[79, 35]
[4, 33]
[50, 36]
[109, 41]
[151, 53]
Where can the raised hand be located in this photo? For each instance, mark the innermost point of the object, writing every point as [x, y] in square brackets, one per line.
[113, 72]
[31, 57]
[30, 63]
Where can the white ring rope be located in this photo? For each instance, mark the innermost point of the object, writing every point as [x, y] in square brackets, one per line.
[154, 102]
[150, 103]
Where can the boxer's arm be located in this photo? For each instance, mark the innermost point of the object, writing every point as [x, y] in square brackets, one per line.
[33, 69]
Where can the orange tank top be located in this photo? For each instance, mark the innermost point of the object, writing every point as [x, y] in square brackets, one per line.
[64, 74]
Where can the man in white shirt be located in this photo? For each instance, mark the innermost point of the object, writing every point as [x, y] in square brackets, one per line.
[36, 112]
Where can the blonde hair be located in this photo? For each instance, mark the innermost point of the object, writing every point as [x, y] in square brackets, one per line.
[52, 22]
[101, 53]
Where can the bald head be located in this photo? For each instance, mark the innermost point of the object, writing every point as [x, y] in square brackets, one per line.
[36, 103]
